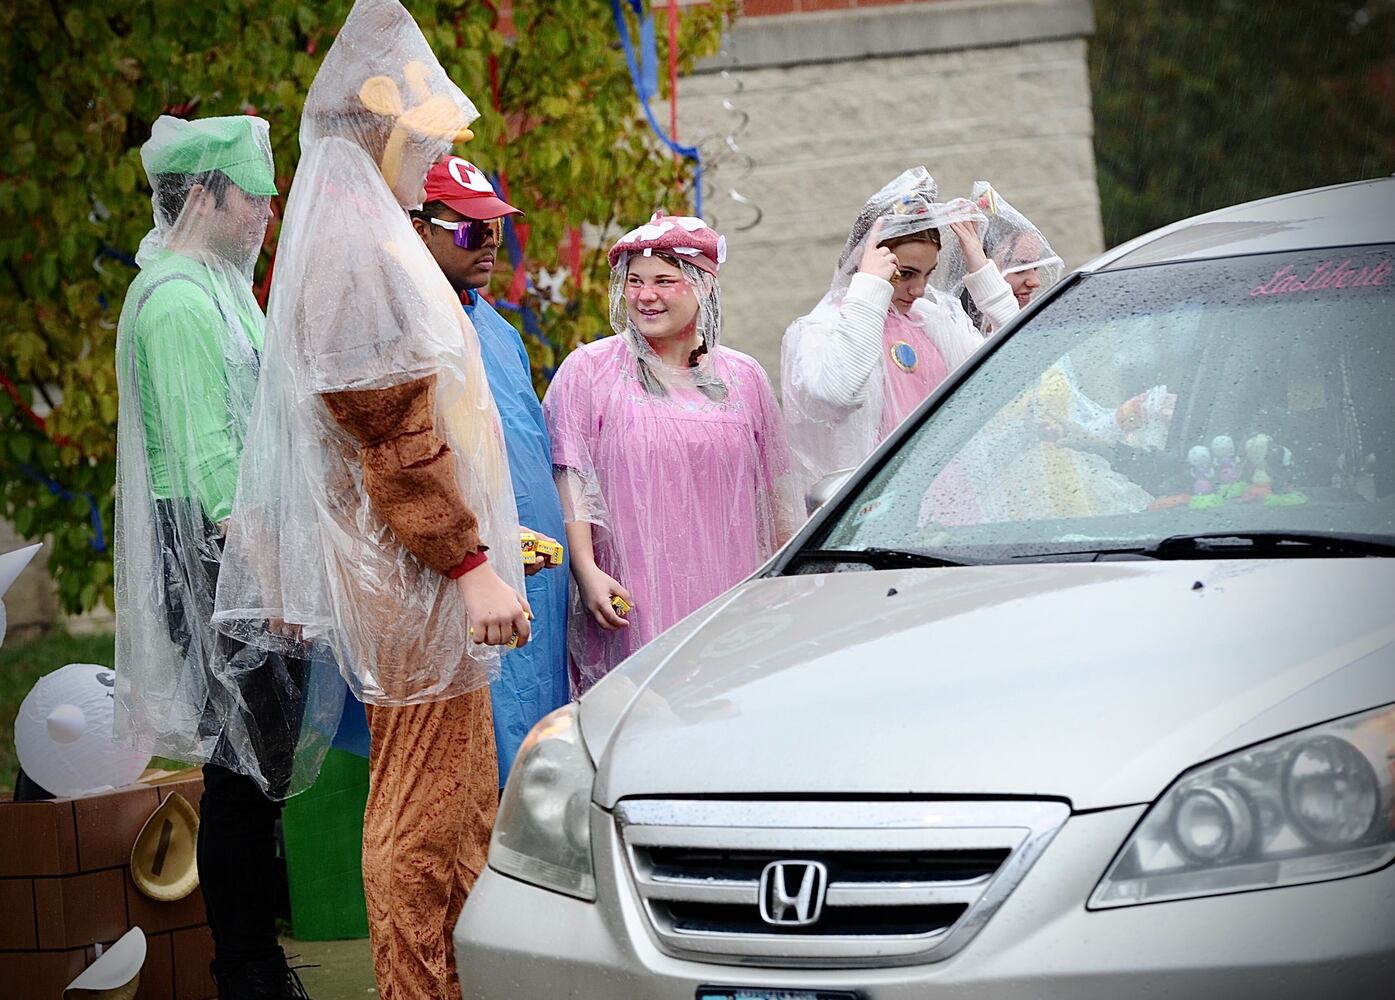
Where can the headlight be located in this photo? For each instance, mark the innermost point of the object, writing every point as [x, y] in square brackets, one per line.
[543, 834]
[1312, 806]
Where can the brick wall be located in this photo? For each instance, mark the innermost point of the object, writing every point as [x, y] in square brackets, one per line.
[65, 886]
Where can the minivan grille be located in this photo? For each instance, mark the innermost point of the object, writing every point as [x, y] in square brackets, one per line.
[870, 921]
[843, 866]
[898, 881]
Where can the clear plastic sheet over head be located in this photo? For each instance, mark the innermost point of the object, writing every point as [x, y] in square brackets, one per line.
[829, 433]
[359, 304]
[1010, 241]
[905, 206]
[682, 471]
[187, 361]
[677, 239]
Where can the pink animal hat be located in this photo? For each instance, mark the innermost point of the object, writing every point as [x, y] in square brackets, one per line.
[682, 236]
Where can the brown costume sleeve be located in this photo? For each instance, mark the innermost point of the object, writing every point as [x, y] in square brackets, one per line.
[409, 471]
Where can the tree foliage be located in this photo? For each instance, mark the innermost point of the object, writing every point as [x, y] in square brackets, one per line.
[1204, 103]
[83, 83]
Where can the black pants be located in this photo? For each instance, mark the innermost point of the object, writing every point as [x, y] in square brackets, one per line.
[238, 867]
[254, 712]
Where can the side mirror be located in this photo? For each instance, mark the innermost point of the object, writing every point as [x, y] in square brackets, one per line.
[822, 491]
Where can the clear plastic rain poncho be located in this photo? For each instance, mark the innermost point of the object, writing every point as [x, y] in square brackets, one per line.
[683, 472]
[1010, 241]
[851, 371]
[187, 360]
[359, 306]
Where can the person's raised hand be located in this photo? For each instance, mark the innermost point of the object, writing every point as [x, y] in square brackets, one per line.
[878, 261]
[972, 244]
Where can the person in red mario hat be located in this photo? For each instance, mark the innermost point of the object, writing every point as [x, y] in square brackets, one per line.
[459, 223]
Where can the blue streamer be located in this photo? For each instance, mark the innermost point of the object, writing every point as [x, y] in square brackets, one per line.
[645, 77]
[99, 543]
[513, 247]
[119, 255]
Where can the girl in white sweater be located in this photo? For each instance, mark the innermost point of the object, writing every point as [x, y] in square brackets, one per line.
[883, 339]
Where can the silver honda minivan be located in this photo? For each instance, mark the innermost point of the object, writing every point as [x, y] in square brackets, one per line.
[1082, 686]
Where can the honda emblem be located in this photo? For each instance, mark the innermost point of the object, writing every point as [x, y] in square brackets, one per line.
[792, 893]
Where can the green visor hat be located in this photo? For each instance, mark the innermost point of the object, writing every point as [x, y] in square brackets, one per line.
[237, 146]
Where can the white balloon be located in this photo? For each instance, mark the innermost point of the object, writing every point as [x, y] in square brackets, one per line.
[63, 733]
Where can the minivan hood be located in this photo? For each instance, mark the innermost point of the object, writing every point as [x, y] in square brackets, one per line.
[1094, 682]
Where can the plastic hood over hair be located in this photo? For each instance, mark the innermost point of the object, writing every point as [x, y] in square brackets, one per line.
[188, 349]
[907, 205]
[1010, 241]
[655, 374]
[832, 427]
[359, 304]
[213, 183]
[383, 89]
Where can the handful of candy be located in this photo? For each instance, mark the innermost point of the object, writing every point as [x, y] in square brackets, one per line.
[551, 552]
[533, 546]
[513, 642]
[622, 607]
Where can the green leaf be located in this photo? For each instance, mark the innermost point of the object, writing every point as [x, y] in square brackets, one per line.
[24, 521]
[125, 177]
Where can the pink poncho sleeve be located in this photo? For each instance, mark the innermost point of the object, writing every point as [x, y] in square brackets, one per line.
[777, 497]
[573, 423]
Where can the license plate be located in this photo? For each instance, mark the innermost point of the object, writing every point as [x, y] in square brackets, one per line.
[763, 993]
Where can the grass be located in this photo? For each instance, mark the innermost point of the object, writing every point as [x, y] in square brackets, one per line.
[23, 663]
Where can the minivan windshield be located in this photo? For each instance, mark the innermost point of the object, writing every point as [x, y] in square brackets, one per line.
[1239, 404]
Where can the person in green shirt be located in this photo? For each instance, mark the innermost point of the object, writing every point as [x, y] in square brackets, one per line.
[187, 360]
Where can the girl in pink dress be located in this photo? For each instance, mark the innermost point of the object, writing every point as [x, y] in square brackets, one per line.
[669, 451]
[883, 339]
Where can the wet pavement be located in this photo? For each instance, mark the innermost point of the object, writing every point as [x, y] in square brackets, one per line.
[344, 968]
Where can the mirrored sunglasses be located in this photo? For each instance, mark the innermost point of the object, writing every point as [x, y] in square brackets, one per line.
[472, 234]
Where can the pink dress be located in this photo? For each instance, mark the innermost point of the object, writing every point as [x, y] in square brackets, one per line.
[914, 369]
[686, 494]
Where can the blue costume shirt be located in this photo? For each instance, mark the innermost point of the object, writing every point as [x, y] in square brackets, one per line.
[533, 680]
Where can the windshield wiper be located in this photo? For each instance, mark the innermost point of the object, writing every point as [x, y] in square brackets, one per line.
[878, 558]
[1247, 544]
